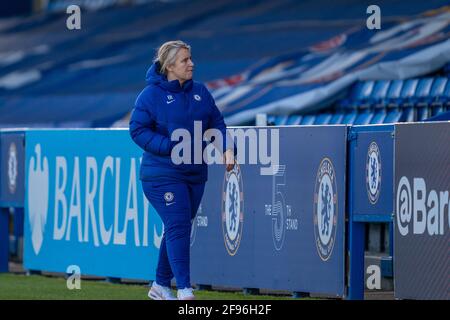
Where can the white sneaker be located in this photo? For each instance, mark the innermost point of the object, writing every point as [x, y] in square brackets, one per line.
[158, 292]
[185, 294]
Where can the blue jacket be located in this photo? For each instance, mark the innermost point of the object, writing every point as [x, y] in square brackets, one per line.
[162, 107]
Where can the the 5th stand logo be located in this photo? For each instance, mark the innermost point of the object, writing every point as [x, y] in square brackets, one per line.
[38, 176]
[283, 219]
[199, 221]
[325, 209]
[373, 173]
[232, 209]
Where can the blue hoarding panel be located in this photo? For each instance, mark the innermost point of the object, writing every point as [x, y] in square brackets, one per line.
[281, 231]
[422, 211]
[4, 239]
[12, 159]
[84, 205]
[372, 152]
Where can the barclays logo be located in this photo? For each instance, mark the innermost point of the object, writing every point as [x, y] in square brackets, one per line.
[426, 210]
[38, 190]
[86, 197]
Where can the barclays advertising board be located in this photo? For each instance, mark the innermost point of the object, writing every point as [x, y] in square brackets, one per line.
[283, 230]
[84, 205]
[422, 211]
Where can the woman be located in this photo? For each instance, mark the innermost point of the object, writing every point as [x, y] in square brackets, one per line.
[172, 100]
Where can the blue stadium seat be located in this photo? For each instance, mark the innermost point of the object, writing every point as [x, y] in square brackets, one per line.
[437, 95]
[349, 118]
[446, 94]
[323, 118]
[271, 120]
[393, 115]
[408, 92]
[281, 120]
[350, 100]
[408, 114]
[423, 113]
[294, 120]
[379, 116]
[359, 95]
[380, 90]
[336, 118]
[364, 118]
[308, 119]
[436, 110]
[422, 96]
[365, 95]
[393, 94]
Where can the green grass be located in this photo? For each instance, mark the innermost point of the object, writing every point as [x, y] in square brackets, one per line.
[22, 287]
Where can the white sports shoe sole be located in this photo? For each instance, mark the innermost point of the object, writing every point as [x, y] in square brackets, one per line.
[153, 295]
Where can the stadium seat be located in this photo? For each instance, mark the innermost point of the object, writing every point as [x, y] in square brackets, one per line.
[408, 114]
[446, 94]
[364, 118]
[423, 113]
[437, 110]
[271, 120]
[294, 120]
[359, 96]
[364, 96]
[422, 95]
[323, 118]
[393, 115]
[393, 94]
[349, 118]
[380, 90]
[308, 119]
[438, 88]
[379, 116]
[350, 100]
[336, 118]
[281, 120]
[407, 94]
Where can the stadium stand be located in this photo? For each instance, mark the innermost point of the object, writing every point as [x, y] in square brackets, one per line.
[383, 101]
[290, 59]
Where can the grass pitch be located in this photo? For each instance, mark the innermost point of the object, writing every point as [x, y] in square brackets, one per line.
[22, 287]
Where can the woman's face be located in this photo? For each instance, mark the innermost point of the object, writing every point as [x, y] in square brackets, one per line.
[183, 67]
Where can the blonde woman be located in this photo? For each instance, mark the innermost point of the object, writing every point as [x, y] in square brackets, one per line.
[172, 100]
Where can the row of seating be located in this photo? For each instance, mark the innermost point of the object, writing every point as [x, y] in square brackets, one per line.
[360, 117]
[398, 93]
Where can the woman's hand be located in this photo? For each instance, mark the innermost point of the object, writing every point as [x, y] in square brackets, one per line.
[228, 159]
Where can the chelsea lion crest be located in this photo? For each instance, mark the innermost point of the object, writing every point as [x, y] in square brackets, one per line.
[232, 209]
[12, 168]
[373, 173]
[325, 209]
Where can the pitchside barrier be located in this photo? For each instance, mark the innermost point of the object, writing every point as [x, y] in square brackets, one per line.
[422, 201]
[283, 230]
[370, 196]
[85, 208]
[277, 224]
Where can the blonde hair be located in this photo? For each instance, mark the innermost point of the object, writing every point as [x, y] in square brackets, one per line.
[167, 52]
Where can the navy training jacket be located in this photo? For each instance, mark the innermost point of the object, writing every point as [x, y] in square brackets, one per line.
[162, 107]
